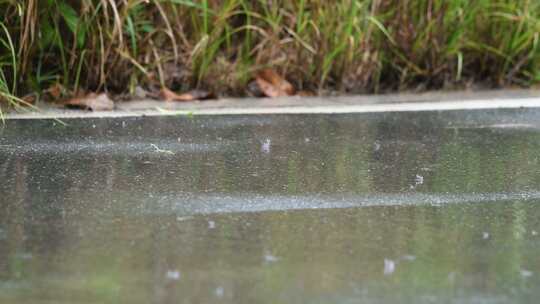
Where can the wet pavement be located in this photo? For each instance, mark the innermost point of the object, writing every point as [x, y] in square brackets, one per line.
[432, 207]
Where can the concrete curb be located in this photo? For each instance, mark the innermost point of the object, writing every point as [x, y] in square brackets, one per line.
[315, 105]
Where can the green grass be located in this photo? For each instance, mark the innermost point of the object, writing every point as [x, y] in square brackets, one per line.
[8, 64]
[344, 45]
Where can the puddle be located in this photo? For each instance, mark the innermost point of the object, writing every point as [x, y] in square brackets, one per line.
[432, 207]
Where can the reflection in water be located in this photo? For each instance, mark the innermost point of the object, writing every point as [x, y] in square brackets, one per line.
[408, 208]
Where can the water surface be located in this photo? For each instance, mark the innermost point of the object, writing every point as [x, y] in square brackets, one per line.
[371, 208]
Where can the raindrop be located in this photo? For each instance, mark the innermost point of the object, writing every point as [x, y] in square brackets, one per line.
[485, 235]
[266, 145]
[173, 275]
[408, 258]
[211, 225]
[183, 218]
[418, 180]
[526, 273]
[220, 292]
[389, 267]
[270, 258]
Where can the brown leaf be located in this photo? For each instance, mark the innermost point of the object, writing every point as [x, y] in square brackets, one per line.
[92, 101]
[305, 93]
[169, 95]
[56, 91]
[29, 99]
[273, 85]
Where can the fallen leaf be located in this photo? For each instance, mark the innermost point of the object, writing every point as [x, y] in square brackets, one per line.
[29, 99]
[56, 91]
[273, 85]
[305, 93]
[169, 95]
[92, 101]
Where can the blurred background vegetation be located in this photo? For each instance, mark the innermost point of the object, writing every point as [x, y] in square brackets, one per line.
[348, 46]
